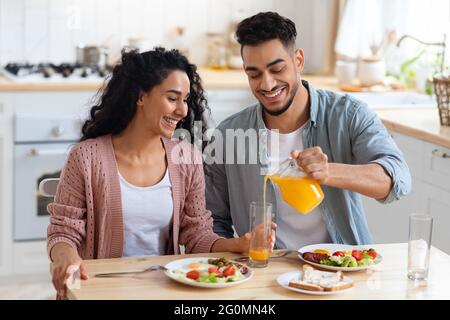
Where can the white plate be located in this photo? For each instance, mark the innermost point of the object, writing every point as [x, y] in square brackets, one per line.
[332, 247]
[283, 280]
[174, 265]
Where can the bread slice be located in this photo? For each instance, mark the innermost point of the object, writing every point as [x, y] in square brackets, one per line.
[316, 280]
[305, 285]
[339, 286]
[312, 275]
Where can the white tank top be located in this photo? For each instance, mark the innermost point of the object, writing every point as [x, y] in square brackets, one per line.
[147, 217]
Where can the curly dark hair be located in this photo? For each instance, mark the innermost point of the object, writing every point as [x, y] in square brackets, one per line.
[137, 72]
[266, 26]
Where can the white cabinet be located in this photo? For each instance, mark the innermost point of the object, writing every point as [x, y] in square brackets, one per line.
[26, 256]
[6, 102]
[225, 102]
[437, 204]
[430, 170]
[437, 166]
[389, 223]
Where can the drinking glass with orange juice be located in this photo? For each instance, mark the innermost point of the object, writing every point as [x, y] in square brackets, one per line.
[296, 188]
[260, 228]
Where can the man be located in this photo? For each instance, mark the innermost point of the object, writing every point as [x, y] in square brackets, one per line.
[334, 138]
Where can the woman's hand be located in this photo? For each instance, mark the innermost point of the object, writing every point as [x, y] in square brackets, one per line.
[241, 244]
[66, 262]
[246, 238]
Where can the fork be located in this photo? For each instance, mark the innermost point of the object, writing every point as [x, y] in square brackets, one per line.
[283, 254]
[119, 274]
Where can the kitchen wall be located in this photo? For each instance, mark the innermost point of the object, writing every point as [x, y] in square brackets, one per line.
[49, 30]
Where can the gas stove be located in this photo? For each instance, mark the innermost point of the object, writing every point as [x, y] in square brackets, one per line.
[48, 72]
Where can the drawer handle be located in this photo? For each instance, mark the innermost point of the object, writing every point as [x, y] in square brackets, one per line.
[51, 152]
[440, 154]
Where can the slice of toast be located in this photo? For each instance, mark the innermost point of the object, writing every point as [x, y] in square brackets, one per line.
[310, 274]
[339, 286]
[316, 280]
[305, 285]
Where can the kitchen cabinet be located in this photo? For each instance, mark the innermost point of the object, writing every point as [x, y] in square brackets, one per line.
[225, 102]
[437, 166]
[6, 101]
[430, 172]
[26, 256]
[2, 191]
[437, 204]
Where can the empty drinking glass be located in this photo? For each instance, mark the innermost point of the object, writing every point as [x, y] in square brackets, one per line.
[420, 232]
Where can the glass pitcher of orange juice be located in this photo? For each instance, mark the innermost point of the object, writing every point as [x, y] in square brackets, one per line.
[296, 188]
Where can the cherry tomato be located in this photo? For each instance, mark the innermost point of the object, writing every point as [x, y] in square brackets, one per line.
[194, 275]
[229, 271]
[215, 270]
[357, 254]
[339, 254]
[372, 253]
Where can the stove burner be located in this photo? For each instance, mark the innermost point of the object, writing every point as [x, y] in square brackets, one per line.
[16, 68]
[66, 69]
[104, 71]
[48, 70]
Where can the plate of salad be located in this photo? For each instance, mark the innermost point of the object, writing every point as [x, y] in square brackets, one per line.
[208, 272]
[339, 257]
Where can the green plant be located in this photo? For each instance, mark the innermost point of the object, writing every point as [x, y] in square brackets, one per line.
[407, 74]
[429, 87]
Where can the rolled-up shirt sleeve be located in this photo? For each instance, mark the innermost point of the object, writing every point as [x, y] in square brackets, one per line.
[372, 143]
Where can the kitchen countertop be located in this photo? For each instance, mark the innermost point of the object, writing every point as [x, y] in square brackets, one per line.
[387, 280]
[212, 79]
[422, 124]
[418, 123]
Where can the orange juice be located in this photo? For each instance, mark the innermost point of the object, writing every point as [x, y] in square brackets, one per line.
[259, 254]
[301, 193]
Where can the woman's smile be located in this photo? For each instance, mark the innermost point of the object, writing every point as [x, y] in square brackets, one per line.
[169, 122]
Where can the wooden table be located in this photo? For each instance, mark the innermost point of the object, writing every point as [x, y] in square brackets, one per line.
[385, 281]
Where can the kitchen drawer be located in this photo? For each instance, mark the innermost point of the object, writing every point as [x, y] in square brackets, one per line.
[229, 94]
[437, 166]
[437, 204]
[226, 102]
[54, 101]
[388, 223]
[413, 150]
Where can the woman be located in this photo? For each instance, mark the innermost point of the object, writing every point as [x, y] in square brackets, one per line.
[123, 191]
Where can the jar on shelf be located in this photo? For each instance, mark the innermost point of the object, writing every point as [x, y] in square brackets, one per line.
[217, 53]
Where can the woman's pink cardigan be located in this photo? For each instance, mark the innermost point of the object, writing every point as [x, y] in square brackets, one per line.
[87, 212]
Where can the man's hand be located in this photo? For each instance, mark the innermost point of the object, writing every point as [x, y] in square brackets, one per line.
[370, 179]
[313, 162]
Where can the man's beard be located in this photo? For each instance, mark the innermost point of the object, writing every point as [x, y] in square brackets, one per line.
[285, 106]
